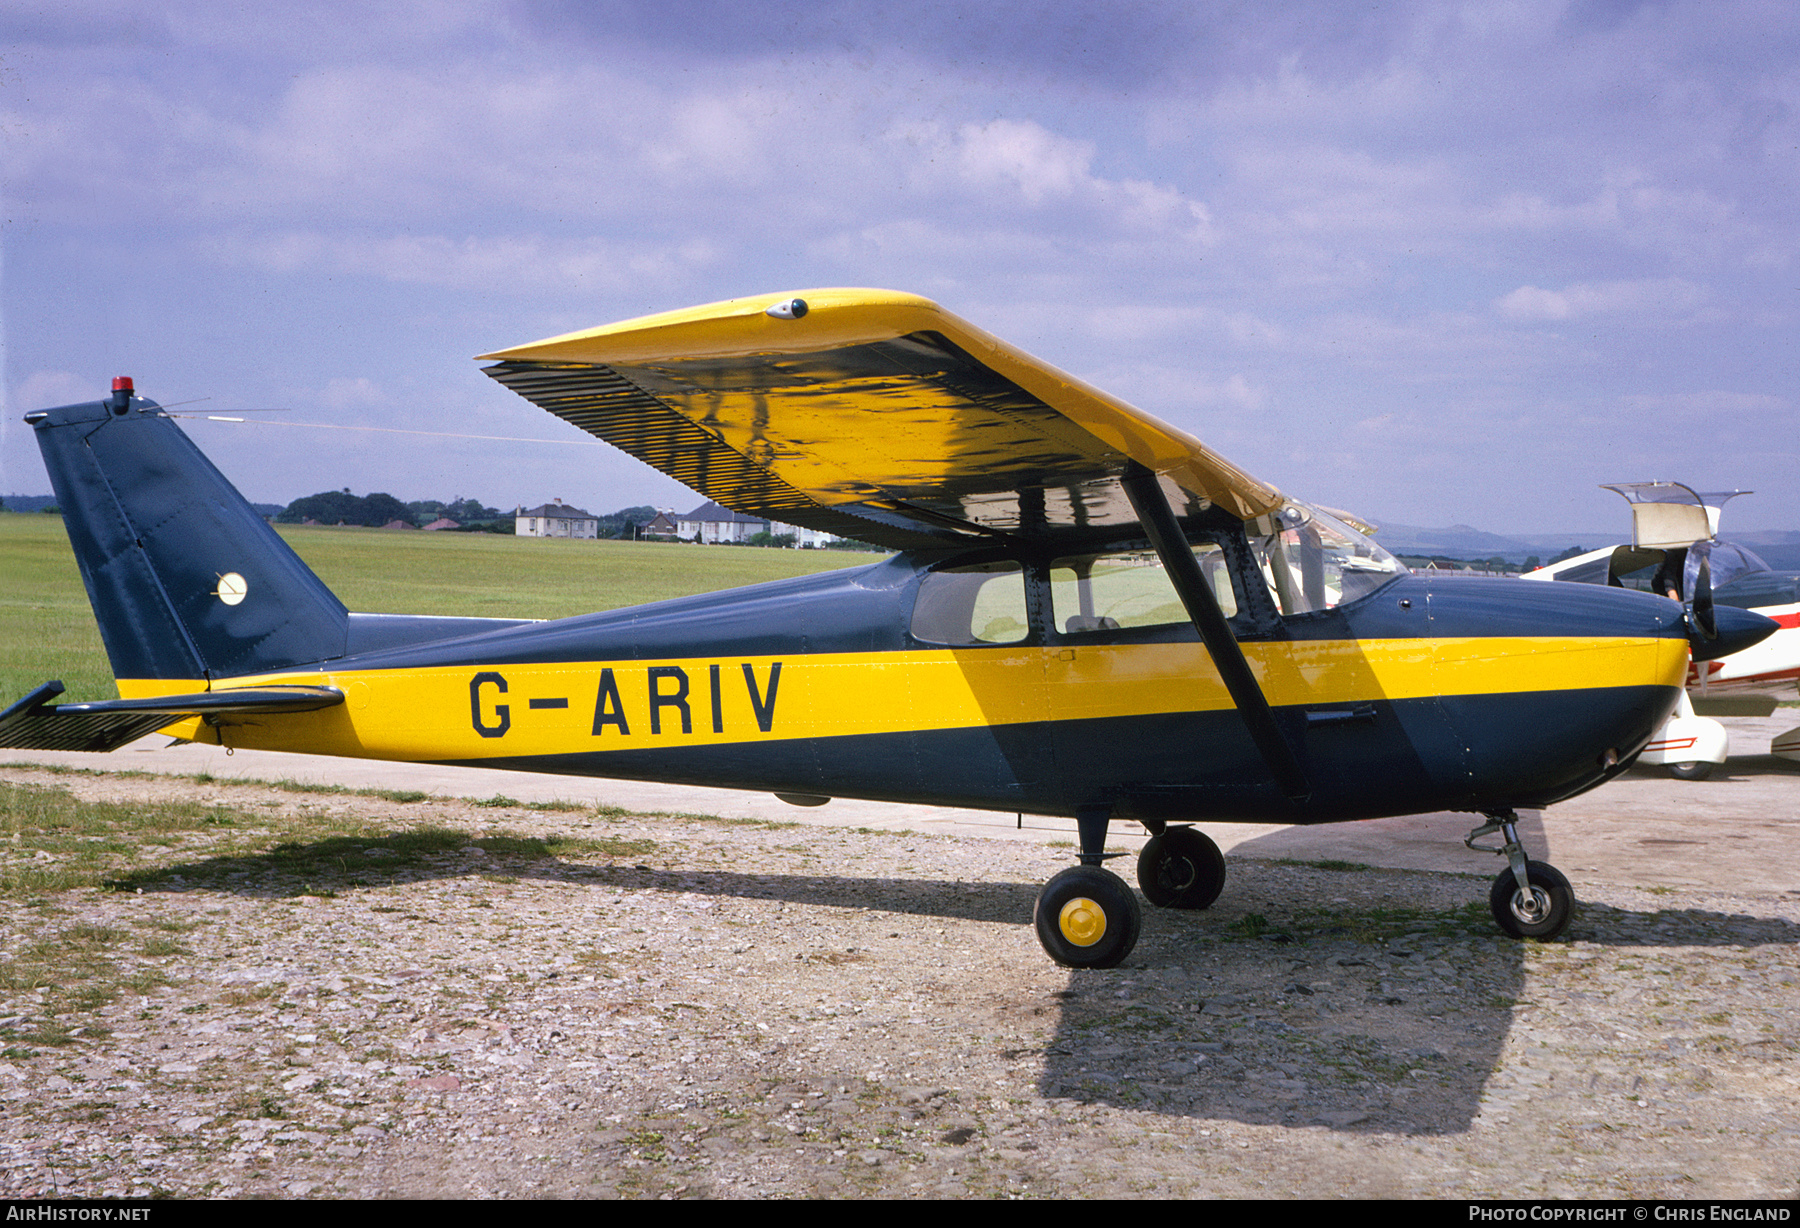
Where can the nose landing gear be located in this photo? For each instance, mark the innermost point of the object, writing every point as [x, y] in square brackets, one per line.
[1529, 899]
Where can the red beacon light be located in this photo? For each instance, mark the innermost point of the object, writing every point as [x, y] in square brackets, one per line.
[121, 394]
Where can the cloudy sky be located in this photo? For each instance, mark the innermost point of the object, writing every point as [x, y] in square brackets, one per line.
[1433, 262]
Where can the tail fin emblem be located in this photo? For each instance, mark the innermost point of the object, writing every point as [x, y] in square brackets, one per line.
[232, 588]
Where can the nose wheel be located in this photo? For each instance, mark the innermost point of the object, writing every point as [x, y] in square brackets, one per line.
[1543, 909]
[1529, 899]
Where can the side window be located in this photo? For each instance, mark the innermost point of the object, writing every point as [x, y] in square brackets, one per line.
[1595, 572]
[1123, 589]
[968, 606]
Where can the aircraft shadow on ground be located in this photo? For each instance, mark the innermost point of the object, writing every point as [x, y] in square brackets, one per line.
[1351, 998]
[342, 864]
[1279, 1006]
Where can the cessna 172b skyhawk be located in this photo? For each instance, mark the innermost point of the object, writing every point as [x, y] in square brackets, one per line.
[1089, 614]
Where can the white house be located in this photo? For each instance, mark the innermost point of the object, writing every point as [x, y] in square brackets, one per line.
[713, 524]
[556, 519]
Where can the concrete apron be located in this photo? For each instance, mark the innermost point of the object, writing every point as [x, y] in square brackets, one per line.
[1737, 832]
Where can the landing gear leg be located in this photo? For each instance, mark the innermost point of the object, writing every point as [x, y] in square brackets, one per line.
[1529, 899]
[1086, 917]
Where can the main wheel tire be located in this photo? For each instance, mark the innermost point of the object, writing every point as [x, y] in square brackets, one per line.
[1182, 868]
[1699, 769]
[1543, 913]
[1087, 917]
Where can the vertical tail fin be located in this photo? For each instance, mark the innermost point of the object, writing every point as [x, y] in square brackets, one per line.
[186, 580]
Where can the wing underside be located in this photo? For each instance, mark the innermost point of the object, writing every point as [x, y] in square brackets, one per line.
[869, 414]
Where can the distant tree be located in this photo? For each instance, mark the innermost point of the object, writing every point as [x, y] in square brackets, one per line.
[625, 522]
[1571, 552]
[468, 510]
[380, 509]
[326, 507]
[342, 507]
[1532, 563]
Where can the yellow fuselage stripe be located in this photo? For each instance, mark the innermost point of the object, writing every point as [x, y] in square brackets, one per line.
[477, 712]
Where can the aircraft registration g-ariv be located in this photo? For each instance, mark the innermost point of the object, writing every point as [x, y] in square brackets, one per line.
[1087, 613]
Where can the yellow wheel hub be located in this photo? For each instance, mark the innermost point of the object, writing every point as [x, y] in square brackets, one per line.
[1083, 921]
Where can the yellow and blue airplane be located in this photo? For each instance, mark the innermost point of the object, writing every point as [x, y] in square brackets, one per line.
[1088, 613]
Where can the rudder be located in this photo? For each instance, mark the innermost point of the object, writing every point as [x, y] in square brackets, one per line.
[187, 581]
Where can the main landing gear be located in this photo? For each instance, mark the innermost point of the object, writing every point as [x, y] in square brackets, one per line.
[1544, 905]
[1181, 868]
[1087, 917]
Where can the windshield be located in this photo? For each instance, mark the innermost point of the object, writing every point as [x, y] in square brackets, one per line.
[1313, 561]
[1729, 561]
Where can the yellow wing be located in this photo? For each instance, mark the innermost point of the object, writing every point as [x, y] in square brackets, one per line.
[867, 413]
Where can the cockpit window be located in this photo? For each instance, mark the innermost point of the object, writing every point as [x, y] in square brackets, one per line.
[1124, 589]
[1313, 561]
[1729, 561]
[1595, 571]
[968, 606]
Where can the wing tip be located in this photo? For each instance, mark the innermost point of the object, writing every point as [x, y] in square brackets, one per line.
[737, 325]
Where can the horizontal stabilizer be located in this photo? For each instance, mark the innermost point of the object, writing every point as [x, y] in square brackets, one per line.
[34, 723]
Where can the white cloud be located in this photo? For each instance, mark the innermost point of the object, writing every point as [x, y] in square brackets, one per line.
[1023, 155]
[1312, 214]
[1159, 324]
[1705, 404]
[516, 264]
[1649, 297]
[1013, 161]
[346, 394]
[44, 389]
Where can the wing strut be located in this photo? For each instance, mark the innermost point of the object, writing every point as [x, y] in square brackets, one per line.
[1153, 512]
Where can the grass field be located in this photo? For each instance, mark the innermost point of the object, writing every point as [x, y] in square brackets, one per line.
[48, 631]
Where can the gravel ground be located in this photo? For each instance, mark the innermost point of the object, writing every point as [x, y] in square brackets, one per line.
[702, 1008]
